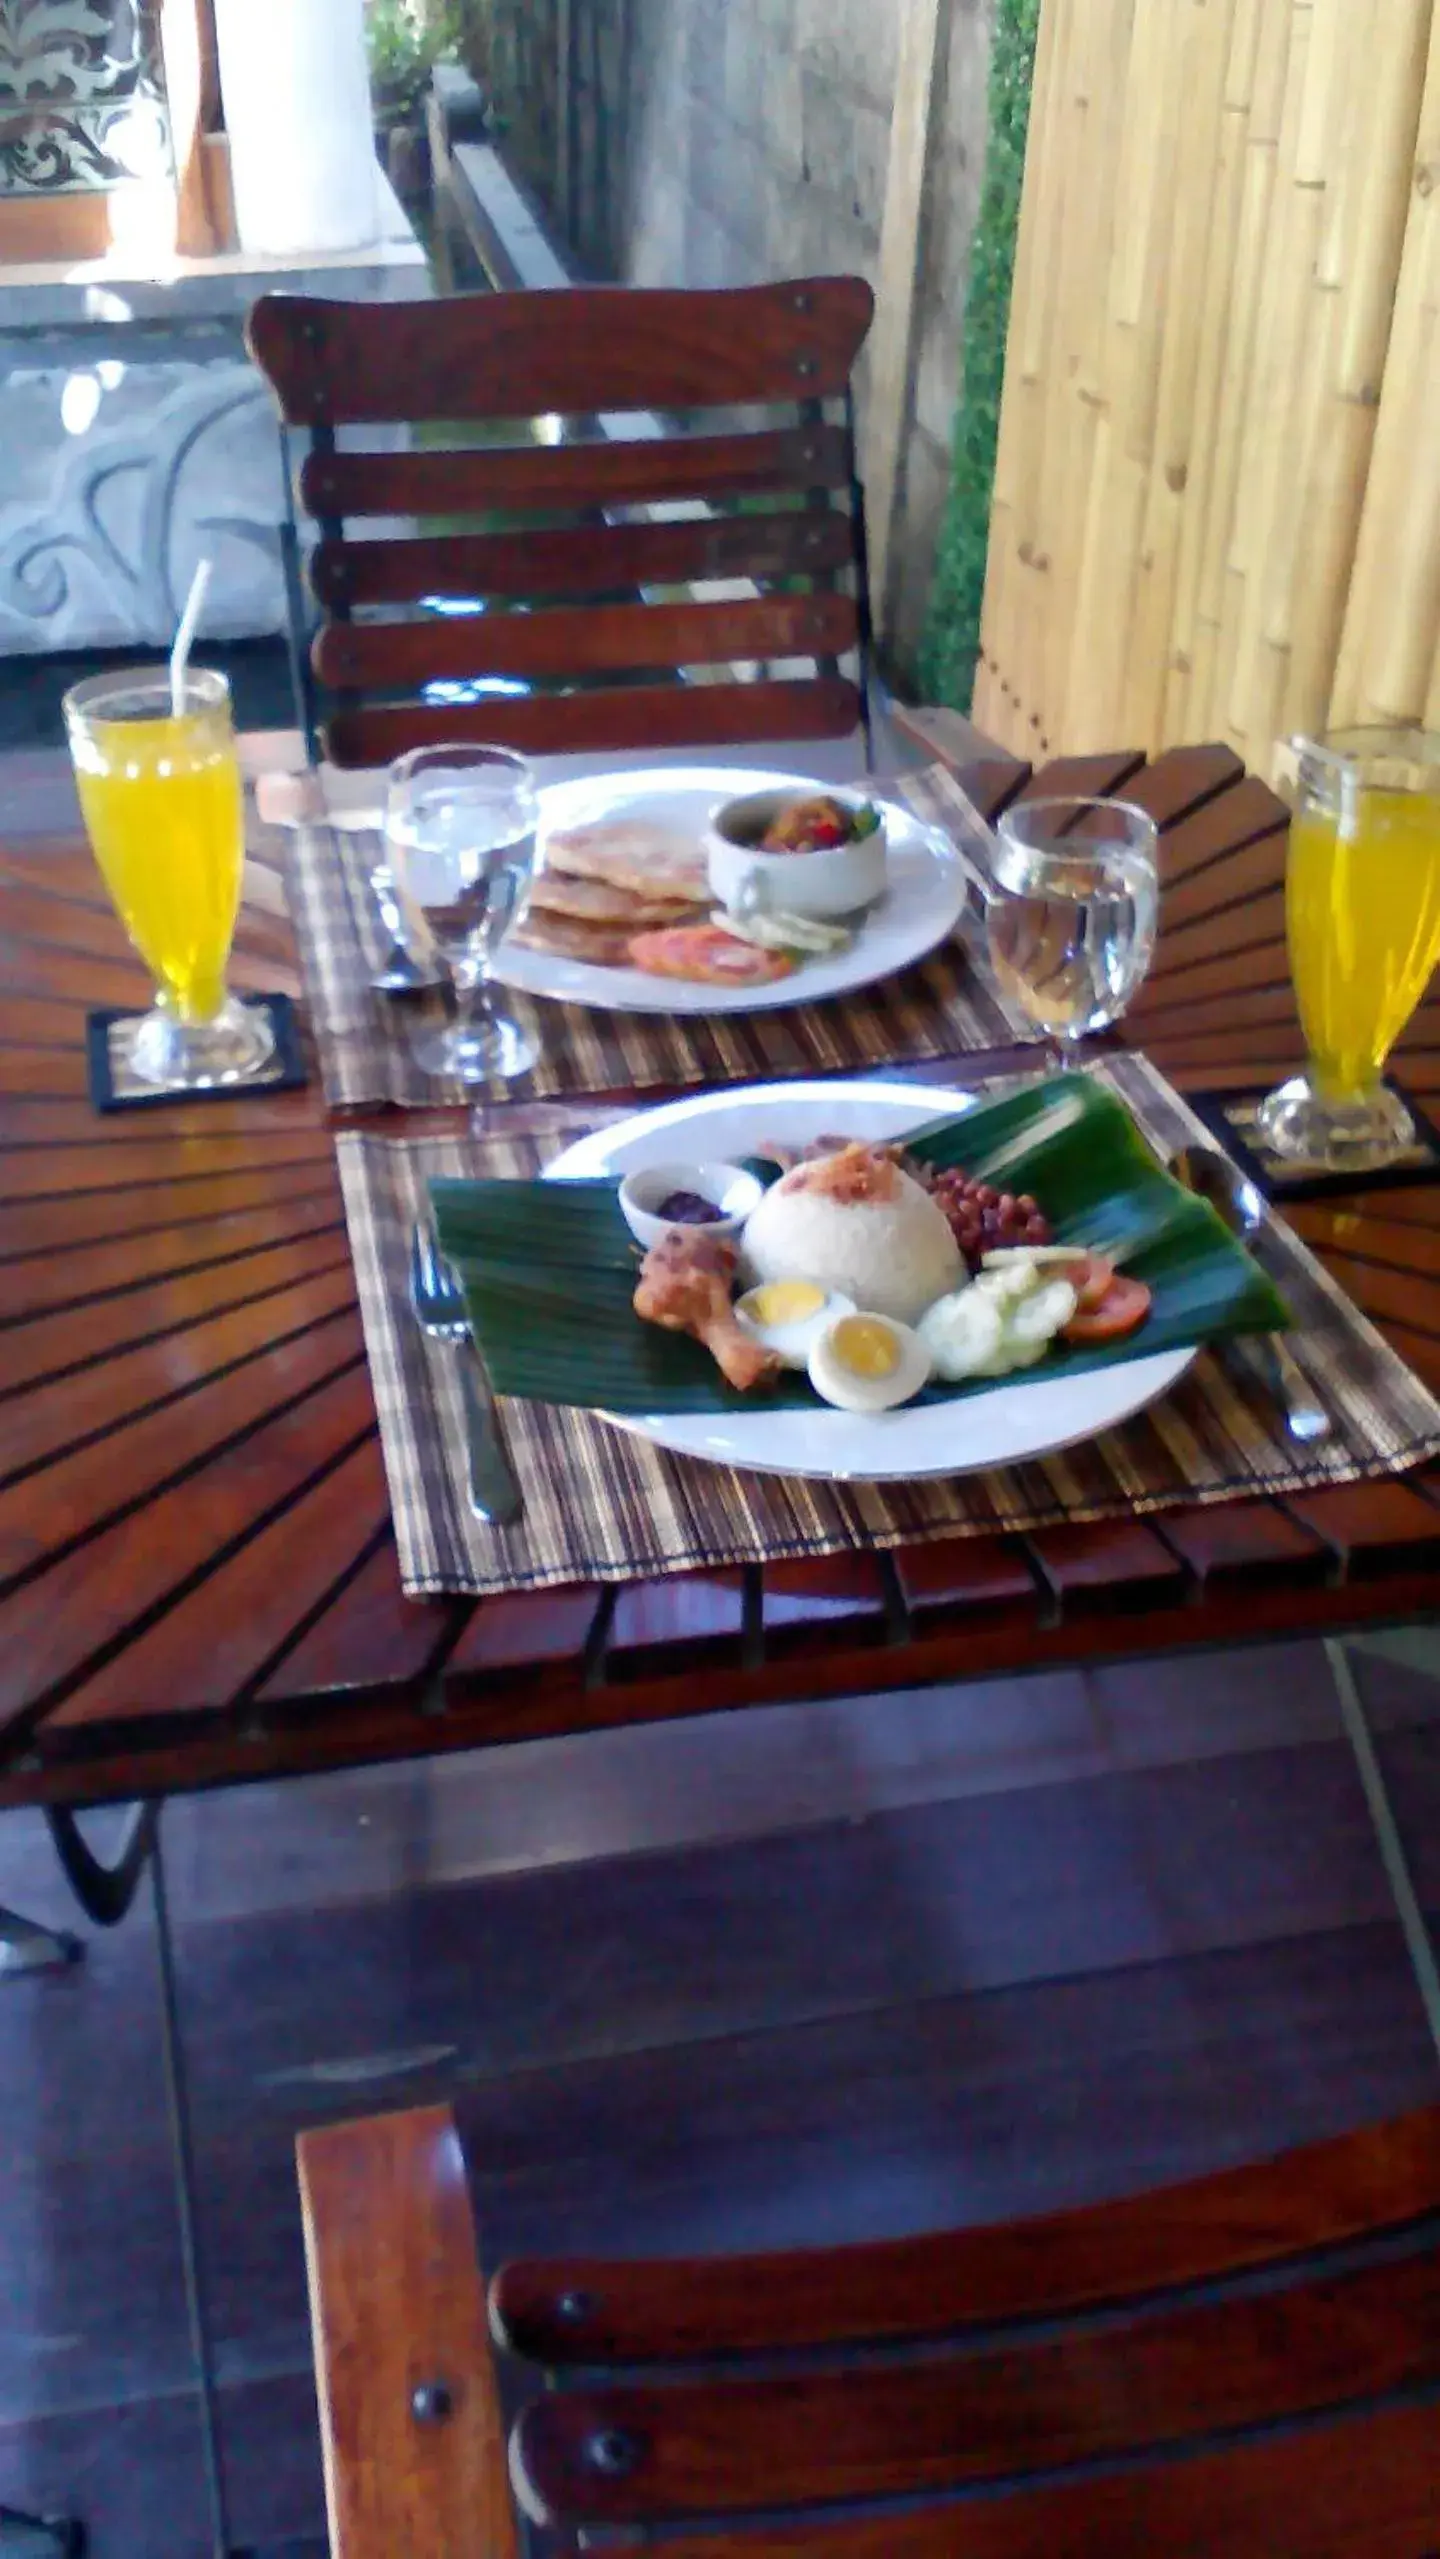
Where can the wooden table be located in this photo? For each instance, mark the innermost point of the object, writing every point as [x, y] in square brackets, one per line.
[199, 1576]
[198, 1582]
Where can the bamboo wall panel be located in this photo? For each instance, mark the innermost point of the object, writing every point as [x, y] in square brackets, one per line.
[1390, 657]
[1217, 491]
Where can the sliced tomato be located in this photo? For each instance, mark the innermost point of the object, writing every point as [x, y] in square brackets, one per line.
[1121, 1308]
[1089, 1275]
[709, 955]
[810, 826]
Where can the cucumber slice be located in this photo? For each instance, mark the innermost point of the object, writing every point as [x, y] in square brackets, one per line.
[776, 930]
[1025, 1354]
[1013, 1281]
[998, 1365]
[1010, 1256]
[961, 1333]
[1041, 1315]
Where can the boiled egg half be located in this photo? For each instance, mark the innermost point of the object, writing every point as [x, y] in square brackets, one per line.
[789, 1315]
[866, 1364]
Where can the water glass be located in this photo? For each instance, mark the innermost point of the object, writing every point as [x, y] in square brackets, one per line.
[161, 798]
[460, 840]
[1070, 920]
[1362, 916]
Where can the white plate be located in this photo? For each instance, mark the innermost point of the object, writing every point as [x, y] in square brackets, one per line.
[923, 902]
[999, 1429]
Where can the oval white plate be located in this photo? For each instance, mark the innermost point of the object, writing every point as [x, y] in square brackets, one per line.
[1002, 1428]
[923, 902]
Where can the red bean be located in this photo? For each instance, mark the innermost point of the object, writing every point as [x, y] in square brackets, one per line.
[983, 1219]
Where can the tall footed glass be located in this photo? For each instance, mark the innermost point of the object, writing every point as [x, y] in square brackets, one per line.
[162, 805]
[460, 825]
[1362, 914]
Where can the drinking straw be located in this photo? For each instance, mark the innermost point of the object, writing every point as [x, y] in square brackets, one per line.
[184, 638]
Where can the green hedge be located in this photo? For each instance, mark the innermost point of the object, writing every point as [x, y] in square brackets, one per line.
[952, 634]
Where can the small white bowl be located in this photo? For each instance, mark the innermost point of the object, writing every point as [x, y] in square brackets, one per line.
[728, 1187]
[835, 881]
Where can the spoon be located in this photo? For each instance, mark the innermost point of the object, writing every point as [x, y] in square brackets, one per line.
[1241, 1207]
[280, 804]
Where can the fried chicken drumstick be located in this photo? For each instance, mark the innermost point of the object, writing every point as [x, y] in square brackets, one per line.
[685, 1288]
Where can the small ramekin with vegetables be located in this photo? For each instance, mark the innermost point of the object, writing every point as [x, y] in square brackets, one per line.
[788, 855]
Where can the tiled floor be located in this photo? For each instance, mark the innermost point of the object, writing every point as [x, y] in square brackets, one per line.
[813, 1973]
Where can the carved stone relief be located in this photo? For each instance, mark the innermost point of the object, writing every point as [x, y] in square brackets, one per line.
[98, 546]
[82, 101]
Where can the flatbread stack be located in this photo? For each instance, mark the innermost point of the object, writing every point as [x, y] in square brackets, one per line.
[598, 885]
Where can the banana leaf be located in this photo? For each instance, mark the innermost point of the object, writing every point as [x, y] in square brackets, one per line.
[549, 1268]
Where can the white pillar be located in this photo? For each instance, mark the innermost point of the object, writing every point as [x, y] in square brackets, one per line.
[296, 88]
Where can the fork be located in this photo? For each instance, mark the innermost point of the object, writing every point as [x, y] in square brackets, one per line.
[399, 972]
[439, 1306]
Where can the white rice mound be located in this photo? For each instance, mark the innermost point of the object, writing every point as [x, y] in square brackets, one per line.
[893, 1256]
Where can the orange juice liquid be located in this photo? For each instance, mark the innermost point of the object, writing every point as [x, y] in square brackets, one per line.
[162, 807]
[1362, 903]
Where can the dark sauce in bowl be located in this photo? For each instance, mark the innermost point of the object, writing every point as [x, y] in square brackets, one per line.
[687, 1208]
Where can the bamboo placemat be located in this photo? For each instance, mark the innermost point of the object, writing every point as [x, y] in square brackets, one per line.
[932, 1010]
[602, 1505]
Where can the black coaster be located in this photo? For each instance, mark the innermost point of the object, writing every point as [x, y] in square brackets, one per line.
[1231, 1118]
[108, 1038]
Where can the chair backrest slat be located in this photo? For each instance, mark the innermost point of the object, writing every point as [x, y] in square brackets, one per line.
[605, 638]
[575, 560]
[1363, 2488]
[583, 348]
[590, 723]
[573, 2310]
[645, 471]
[819, 2438]
[659, 399]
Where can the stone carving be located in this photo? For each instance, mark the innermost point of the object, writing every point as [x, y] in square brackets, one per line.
[82, 100]
[182, 459]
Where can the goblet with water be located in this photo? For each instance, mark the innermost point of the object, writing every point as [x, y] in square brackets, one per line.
[460, 838]
[1070, 912]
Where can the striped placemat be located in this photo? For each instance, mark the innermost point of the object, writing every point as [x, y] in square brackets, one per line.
[602, 1505]
[932, 1010]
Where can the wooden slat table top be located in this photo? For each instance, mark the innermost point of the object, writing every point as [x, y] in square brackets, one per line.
[197, 1571]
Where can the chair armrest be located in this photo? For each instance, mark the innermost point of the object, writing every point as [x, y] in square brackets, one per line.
[411, 2431]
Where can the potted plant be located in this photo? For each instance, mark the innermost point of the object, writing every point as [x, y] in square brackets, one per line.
[405, 39]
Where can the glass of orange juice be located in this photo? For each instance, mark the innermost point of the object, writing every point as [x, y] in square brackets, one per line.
[1362, 915]
[161, 799]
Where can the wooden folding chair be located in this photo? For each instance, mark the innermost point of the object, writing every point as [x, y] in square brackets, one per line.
[611, 588]
[1245, 2367]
